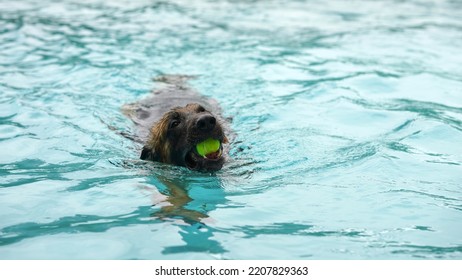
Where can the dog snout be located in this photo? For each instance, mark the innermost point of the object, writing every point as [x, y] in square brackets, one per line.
[206, 122]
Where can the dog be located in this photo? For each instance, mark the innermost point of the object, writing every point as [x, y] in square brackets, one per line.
[174, 120]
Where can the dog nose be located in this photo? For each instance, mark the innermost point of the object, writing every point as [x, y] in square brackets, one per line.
[206, 122]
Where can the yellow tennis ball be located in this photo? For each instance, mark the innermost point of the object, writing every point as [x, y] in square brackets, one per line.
[208, 146]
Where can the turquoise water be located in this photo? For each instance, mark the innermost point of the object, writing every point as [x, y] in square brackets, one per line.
[348, 122]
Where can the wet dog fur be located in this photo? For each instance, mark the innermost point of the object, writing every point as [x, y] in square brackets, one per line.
[173, 120]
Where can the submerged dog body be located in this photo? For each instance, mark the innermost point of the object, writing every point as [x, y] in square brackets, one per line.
[173, 121]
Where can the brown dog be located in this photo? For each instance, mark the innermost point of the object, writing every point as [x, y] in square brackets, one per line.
[173, 121]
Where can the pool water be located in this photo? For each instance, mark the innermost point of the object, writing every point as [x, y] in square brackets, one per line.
[347, 116]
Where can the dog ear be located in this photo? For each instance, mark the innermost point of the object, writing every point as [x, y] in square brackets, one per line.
[147, 154]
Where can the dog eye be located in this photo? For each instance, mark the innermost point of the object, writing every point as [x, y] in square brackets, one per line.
[173, 123]
[200, 109]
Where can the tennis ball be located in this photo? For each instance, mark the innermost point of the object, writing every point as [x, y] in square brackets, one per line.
[207, 147]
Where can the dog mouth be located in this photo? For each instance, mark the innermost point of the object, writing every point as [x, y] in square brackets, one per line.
[205, 156]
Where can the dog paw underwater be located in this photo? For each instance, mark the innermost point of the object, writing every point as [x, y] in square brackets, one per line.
[179, 126]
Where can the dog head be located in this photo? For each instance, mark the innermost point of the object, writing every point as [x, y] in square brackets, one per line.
[175, 136]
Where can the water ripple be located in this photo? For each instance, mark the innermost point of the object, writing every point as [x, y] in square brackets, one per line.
[74, 224]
